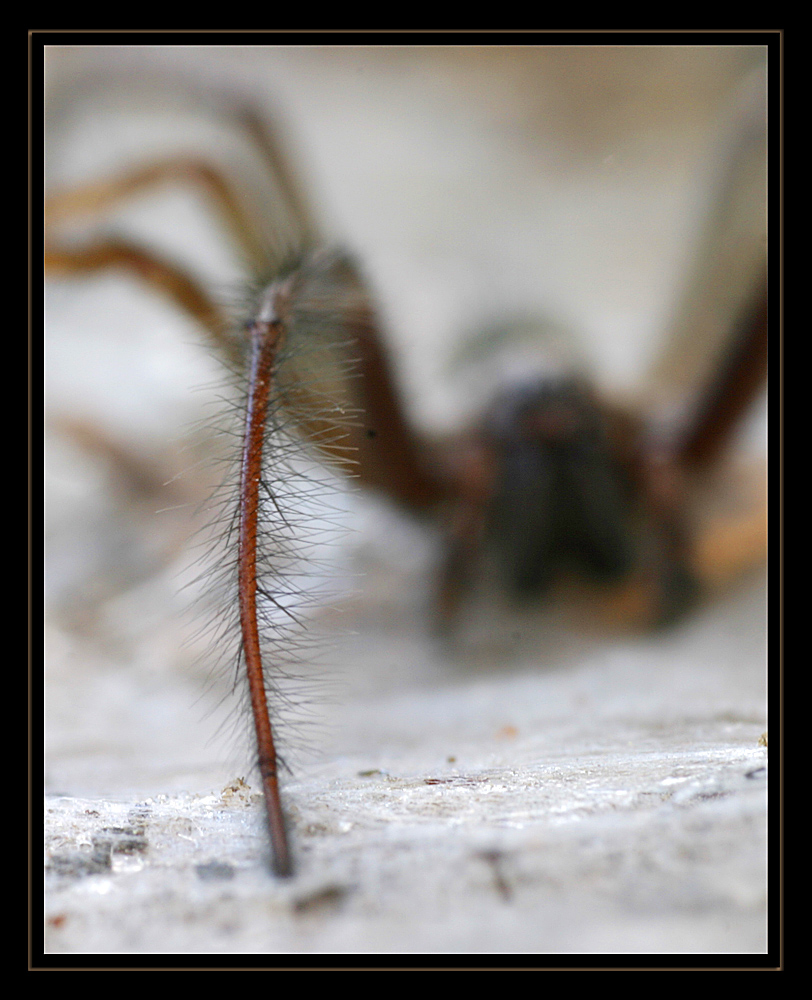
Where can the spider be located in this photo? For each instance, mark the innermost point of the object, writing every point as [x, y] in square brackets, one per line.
[552, 479]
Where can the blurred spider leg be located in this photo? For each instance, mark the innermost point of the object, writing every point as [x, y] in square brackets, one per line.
[161, 275]
[368, 436]
[387, 454]
[392, 457]
[739, 376]
[465, 528]
[733, 545]
[166, 277]
[690, 561]
[729, 266]
[265, 136]
[715, 355]
[99, 196]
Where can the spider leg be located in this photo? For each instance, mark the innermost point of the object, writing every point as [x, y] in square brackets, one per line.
[279, 161]
[734, 385]
[391, 457]
[685, 559]
[380, 450]
[163, 276]
[726, 278]
[243, 222]
[715, 363]
[313, 302]
[166, 277]
[465, 524]
[102, 195]
[694, 559]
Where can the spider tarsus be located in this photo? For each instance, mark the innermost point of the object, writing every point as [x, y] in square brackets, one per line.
[282, 861]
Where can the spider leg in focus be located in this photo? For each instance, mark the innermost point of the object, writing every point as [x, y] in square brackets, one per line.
[312, 294]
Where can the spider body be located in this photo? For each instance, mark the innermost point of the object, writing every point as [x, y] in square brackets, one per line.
[560, 497]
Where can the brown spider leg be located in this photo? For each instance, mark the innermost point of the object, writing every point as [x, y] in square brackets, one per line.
[732, 546]
[718, 344]
[99, 196]
[266, 334]
[471, 480]
[382, 451]
[386, 453]
[368, 435]
[687, 563]
[739, 376]
[391, 456]
[265, 338]
[279, 160]
[388, 456]
[161, 275]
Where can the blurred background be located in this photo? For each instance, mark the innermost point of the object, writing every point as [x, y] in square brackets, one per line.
[504, 202]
